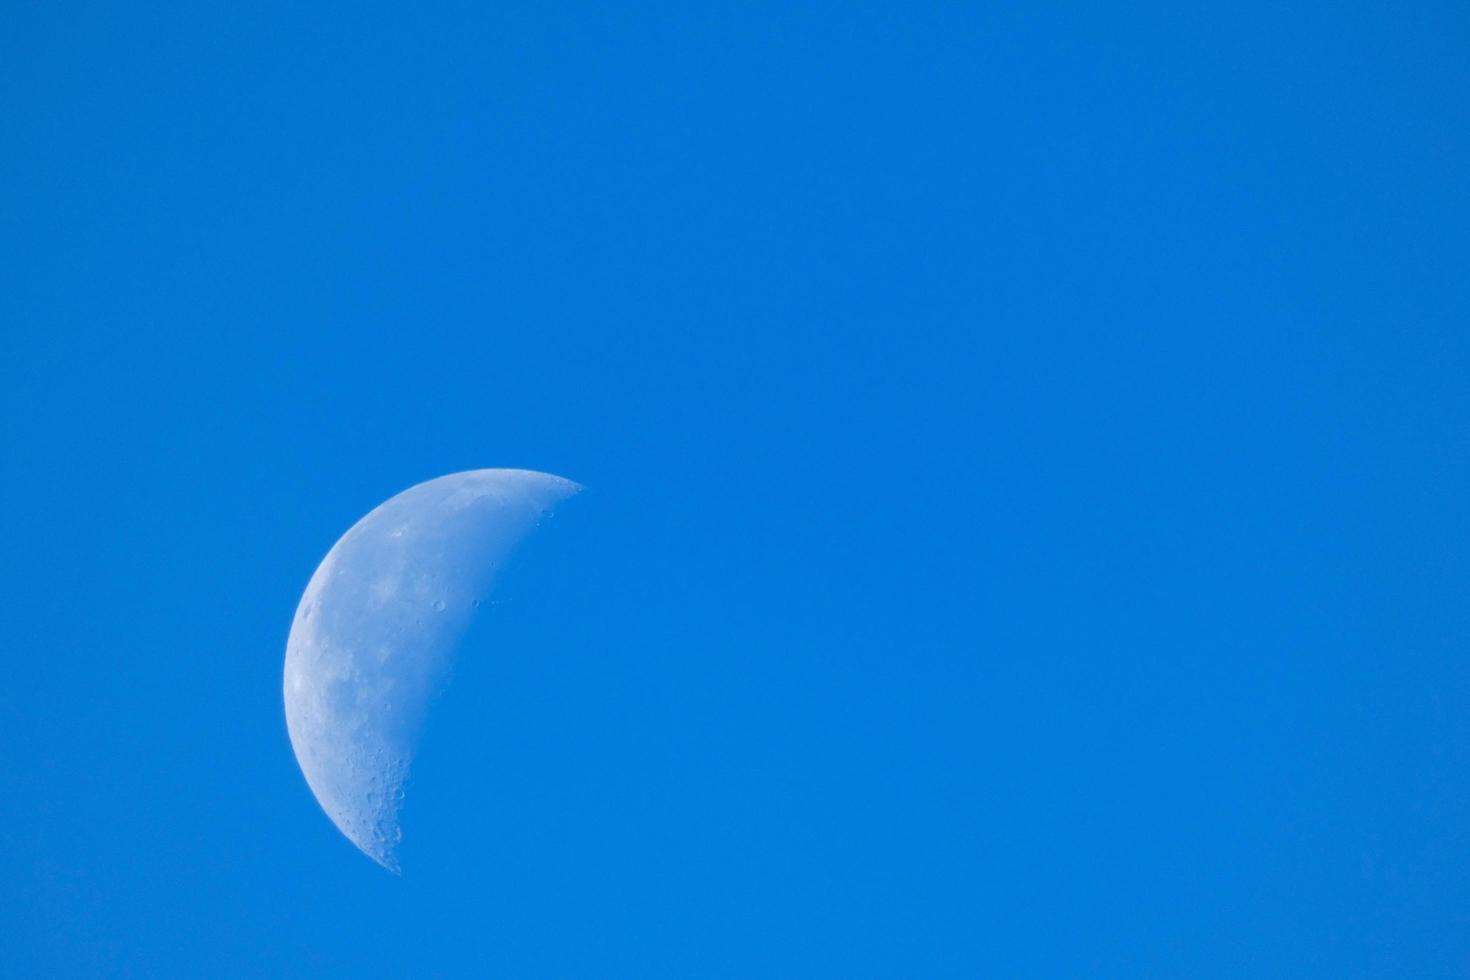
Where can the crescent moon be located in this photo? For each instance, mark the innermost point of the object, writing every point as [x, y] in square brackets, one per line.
[379, 626]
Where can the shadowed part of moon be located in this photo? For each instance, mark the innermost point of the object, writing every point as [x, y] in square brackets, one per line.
[378, 628]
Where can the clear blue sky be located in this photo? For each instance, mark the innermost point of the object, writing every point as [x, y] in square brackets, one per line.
[1026, 448]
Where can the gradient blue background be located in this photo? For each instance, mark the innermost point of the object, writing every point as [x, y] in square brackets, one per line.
[1026, 445]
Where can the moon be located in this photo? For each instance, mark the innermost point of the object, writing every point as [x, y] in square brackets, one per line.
[378, 629]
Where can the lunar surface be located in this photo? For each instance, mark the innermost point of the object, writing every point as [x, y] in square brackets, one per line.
[379, 626]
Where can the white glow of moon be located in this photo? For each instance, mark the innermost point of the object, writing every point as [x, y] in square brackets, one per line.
[378, 628]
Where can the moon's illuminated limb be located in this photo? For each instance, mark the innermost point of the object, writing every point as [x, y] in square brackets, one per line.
[378, 628]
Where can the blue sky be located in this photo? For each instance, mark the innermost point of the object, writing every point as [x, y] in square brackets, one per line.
[1026, 458]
